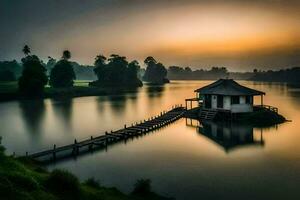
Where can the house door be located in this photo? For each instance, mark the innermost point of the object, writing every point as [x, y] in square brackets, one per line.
[207, 101]
[220, 103]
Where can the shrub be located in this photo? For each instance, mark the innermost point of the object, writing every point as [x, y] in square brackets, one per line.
[2, 148]
[142, 186]
[63, 183]
[92, 183]
[62, 75]
[6, 188]
[23, 180]
[7, 75]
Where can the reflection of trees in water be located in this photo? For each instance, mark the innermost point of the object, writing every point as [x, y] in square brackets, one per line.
[118, 101]
[33, 114]
[63, 108]
[230, 135]
[155, 90]
[294, 90]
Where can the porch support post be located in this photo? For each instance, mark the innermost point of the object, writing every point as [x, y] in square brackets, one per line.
[186, 104]
[261, 99]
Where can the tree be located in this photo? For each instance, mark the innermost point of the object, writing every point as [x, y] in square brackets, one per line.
[7, 75]
[62, 74]
[66, 55]
[116, 71]
[26, 50]
[155, 72]
[100, 60]
[100, 68]
[132, 71]
[33, 78]
[50, 64]
[12, 66]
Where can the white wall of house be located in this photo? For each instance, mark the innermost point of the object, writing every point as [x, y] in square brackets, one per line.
[242, 107]
[214, 101]
[242, 99]
[227, 102]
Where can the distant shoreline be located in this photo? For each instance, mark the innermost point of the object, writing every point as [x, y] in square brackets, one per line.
[79, 90]
[9, 90]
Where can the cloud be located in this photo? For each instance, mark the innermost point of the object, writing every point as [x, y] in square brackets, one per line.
[190, 32]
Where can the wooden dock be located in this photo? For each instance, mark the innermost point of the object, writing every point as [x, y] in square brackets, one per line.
[109, 138]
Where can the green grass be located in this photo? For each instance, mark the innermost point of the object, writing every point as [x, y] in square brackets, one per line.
[9, 91]
[24, 179]
[81, 83]
[11, 86]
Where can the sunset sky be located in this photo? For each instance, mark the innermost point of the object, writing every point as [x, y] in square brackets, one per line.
[238, 34]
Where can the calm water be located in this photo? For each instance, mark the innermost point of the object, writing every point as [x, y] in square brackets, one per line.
[184, 160]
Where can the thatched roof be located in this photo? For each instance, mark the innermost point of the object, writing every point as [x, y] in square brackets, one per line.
[228, 87]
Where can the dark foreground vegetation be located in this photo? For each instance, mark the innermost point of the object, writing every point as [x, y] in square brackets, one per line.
[22, 179]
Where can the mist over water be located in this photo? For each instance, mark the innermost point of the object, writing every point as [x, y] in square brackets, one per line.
[183, 160]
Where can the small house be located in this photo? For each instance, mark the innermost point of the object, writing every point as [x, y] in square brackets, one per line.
[227, 96]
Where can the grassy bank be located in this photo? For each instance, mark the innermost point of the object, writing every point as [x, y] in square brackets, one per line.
[9, 91]
[259, 118]
[22, 179]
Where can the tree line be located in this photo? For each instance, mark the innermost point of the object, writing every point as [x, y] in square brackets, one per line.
[114, 71]
[180, 73]
[283, 75]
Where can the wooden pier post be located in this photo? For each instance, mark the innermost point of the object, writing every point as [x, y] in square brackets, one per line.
[145, 126]
[91, 144]
[75, 151]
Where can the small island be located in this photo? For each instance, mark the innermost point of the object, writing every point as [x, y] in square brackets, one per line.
[226, 100]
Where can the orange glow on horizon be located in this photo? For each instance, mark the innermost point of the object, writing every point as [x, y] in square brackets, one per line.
[181, 34]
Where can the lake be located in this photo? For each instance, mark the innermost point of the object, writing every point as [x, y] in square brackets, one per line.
[185, 160]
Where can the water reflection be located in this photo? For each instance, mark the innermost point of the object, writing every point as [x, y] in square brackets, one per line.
[63, 109]
[33, 113]
[155, 90]
[229, 136]
[118, 102]
[176, 153]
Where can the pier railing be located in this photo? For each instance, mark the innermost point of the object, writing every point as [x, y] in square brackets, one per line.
[103, 140]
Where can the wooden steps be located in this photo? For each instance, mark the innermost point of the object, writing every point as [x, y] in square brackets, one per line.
[207, 114]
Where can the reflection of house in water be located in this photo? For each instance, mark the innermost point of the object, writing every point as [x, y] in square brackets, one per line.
[229, 135]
